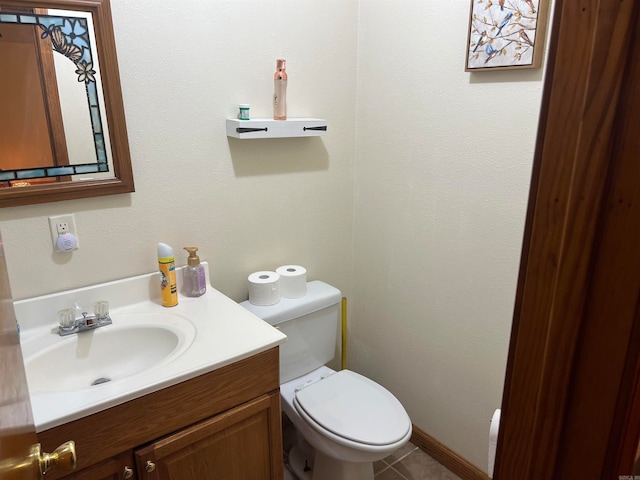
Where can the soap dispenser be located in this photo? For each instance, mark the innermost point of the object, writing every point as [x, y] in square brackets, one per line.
[195, 281]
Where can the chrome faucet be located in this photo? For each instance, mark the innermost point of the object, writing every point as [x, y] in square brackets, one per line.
[68, 323]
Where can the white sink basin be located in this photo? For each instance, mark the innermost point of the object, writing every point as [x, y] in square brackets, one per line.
[148, 347]
[134, 344]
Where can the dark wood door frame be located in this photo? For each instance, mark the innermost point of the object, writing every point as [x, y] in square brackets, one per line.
[575, 344]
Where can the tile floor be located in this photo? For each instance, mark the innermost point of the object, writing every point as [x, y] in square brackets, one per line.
[408, 463]
[411, 463]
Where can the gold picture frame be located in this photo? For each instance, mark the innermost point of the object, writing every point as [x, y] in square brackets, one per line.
[506, 34]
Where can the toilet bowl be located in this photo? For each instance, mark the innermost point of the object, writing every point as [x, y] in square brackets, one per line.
[347, 418]
[344, 421]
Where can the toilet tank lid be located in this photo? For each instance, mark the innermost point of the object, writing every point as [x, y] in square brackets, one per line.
[319, 295]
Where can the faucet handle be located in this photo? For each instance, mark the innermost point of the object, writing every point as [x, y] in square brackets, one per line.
[101, 309]
[67, 317]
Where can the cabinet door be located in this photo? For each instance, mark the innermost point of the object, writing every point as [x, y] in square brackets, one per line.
[121, 467]
[244, 443]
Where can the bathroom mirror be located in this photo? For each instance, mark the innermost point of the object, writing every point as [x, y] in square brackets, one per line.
[62, 126]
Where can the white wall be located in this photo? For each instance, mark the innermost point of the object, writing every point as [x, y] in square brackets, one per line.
[443, 163]
[413, 203]
[248, 205]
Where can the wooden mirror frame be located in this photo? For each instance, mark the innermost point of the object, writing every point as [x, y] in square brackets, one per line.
[122, 182]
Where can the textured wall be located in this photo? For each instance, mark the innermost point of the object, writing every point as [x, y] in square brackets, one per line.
[248, 205]
[443, 163]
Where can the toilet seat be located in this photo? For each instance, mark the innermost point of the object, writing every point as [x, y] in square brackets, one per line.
[351, 408]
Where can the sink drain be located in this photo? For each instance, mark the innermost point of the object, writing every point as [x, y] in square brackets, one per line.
[100, 380]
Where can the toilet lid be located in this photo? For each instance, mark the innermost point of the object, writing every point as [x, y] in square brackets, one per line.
[355, 407]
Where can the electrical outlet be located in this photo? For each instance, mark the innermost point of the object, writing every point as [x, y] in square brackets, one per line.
[63, 225]
[62, 228]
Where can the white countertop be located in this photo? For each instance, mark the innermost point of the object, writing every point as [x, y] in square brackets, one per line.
[225, 333]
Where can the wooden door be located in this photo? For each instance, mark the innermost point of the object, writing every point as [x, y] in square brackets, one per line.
[573, 366]
[235, 445]
[31, 123]
[17, 431]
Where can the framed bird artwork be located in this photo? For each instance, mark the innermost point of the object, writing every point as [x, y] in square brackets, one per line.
[506, 34]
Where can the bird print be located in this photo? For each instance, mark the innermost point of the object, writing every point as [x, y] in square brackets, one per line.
[481, 41]
[491, 52]
[501, 3]
[524, 38]
[530, 3]
[504, 22]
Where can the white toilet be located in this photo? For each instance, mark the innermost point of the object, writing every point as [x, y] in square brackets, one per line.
[344, 421]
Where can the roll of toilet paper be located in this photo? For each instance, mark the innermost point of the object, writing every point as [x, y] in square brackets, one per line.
[293, 281]
[493, 440]
[264, 288]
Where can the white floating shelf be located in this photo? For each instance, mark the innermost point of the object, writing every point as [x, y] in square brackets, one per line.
[269, 128]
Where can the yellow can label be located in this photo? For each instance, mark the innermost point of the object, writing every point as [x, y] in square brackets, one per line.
[168, 284]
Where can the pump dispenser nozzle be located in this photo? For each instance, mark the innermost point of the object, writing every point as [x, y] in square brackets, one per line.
[193, 259]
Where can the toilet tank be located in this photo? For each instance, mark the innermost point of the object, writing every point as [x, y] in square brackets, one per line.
[311, 324]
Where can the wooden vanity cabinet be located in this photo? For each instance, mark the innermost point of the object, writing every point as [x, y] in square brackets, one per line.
[120, 467]
[234, 445]
[225, 424]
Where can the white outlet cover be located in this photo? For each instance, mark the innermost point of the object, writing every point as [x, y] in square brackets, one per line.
[70, 221]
